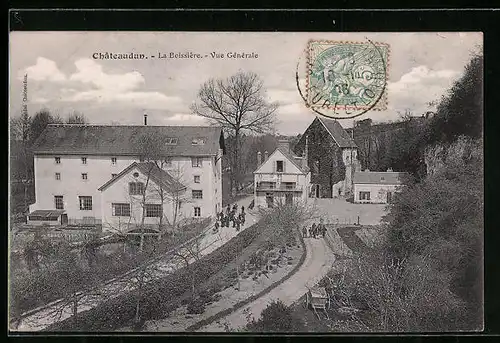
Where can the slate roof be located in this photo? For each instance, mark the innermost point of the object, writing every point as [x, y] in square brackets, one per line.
[382, 178]
[338, 133]
[125, 139]
[158, 175]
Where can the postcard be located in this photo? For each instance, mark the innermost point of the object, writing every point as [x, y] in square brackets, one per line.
[319, 182]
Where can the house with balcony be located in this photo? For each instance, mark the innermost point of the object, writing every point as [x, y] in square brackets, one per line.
[281, 177]
[76, 166]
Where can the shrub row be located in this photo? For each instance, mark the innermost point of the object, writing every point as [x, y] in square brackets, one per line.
[164, 295]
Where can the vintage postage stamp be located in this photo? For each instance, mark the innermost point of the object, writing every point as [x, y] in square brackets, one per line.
[346, 79]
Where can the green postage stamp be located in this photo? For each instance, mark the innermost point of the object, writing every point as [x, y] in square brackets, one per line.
[350, 77]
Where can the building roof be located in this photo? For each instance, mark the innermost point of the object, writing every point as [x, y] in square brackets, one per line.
[158, 175]
[382, 178]
[338, 133]
[296, 161]
[46, 213]
[128, 140]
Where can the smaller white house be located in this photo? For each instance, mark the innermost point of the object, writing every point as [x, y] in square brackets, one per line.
[281, 178]
[142, 194]
[376, 187]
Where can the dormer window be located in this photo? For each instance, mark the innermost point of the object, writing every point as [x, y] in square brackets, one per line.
[171, 141]
[198, 141]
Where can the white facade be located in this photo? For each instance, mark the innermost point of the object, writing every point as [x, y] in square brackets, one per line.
[273, 186]
[350, 158]
[374, 193]
[70, 183]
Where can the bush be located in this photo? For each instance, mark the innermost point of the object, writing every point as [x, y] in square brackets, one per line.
[277, 318]
[196, 306]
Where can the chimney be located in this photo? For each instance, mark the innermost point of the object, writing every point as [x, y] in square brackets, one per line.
[145, 119]
[259, 158]
[284, 145]
[266, 155]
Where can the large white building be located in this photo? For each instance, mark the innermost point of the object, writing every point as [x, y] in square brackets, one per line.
[87, 171]
[377, 187]
[281, 178]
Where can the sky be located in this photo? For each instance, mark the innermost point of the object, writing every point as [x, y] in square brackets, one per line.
[63, 76]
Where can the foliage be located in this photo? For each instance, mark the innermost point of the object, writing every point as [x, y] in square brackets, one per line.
[277, 317]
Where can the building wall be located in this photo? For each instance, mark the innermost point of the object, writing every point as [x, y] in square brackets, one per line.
[99, 170]
[266, 173]
[118, 192]
[325, 158]
[71, 185]
[378, 192]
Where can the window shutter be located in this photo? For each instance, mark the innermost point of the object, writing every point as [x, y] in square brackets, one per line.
[274, 166]
[284, 166]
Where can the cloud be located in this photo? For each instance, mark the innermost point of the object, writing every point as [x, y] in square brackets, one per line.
[185, 119]
[122, 88]
[419, 86]
[91, 72]
[283, 97]
[43, 70]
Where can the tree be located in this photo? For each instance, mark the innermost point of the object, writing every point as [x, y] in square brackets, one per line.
[277, 317]
[239, 105]
[76, 118]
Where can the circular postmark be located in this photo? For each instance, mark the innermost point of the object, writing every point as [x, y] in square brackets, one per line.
[343, 80]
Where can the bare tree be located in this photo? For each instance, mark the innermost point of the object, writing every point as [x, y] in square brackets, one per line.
[189, 254]
[76, 118]
[239, 105]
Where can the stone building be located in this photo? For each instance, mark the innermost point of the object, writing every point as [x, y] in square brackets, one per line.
[332, 158]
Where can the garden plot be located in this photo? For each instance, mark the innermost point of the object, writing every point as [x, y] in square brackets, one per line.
[261, 271]
[371, 236]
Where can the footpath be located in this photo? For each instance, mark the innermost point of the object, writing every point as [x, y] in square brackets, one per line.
[52, 313]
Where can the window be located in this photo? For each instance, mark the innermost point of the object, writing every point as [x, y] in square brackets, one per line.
[85, 203]
[364, 195]
[84, 176]
[198, 141]
[136, 188]
[113, 160]
[197, 179]
[279, 166]
[121, 210]
[84, 160]
[382, 178]
[196, 161]
[154, 210]
[57, 160]
[171, 141]
[113, 176]
[58, 200]
[58, 176]
[197, 211]
[197, 194]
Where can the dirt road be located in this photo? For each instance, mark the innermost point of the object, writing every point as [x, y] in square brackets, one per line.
[53, 312]
[319, 260]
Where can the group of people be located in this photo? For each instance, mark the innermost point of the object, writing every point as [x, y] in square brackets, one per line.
[314, 231]
[230, 217]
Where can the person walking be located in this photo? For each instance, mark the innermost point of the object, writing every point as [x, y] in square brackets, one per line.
[216, 226]
[313, 230]
[228, 209]
[237, 221]
[304, 231]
